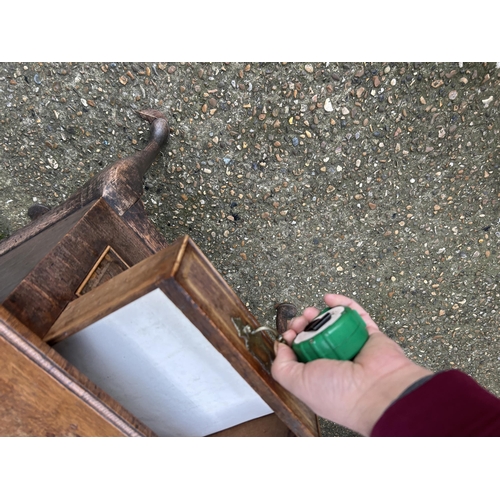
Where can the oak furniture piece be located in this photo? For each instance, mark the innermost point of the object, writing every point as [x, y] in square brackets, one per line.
[107, 330]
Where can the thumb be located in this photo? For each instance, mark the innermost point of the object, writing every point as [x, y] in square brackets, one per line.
[285, 368]
[283, 352]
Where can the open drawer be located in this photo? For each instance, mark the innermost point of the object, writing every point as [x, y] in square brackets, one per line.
[171, 342]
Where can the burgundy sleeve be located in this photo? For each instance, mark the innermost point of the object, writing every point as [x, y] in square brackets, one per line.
[449, 404]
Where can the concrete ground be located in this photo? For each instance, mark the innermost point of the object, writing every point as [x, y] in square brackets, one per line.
[375, 180]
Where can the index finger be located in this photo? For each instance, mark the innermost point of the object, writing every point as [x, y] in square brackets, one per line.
[333, 299]
[300, 322]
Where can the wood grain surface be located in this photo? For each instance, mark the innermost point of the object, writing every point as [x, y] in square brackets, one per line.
[266, 426]
[51, 284]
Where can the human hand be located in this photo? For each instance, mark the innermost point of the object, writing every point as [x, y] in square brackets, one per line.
[354, 393]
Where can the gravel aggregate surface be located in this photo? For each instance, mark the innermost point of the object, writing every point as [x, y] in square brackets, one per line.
[375, 180]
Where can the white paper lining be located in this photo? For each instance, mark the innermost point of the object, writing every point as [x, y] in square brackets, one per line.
[160, 367]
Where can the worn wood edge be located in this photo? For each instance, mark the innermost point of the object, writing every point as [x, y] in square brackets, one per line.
[266, 426]
[117, 292]
[48, 360]
[191, 246]
[138, 220]
[262, 383]
[47, 220]
[274, 392]
[184, 242]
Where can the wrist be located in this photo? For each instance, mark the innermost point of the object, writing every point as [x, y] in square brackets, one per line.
[385, 391]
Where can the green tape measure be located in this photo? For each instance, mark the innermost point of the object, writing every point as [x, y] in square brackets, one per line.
[336, 333]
